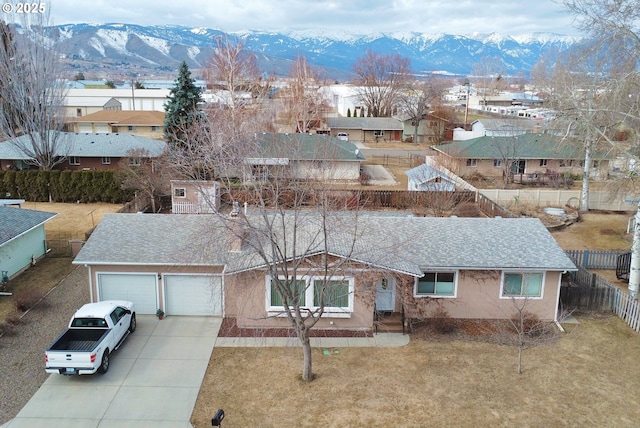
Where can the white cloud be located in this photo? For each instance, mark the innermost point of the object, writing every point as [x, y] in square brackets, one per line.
[361, 16]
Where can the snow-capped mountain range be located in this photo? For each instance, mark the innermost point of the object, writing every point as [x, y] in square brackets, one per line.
[163, 47]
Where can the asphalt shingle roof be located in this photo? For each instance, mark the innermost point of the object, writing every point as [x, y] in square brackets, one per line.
[16, 221]
[307, 147]
[365, 123]
[524, 146]
[403, 244]
[87, 145]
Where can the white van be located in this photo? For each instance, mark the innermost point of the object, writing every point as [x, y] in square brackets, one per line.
[343, 136]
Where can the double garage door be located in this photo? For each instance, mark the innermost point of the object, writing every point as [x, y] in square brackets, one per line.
[183, 294]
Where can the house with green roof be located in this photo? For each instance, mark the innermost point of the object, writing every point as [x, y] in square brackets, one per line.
[80, 151]
[22, 239]
[528, 154]
[304, 157]
[367, 129]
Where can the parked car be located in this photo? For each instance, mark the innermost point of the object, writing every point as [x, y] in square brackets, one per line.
[95, 330]
[342, 136]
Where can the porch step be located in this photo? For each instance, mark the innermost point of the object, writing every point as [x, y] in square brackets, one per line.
[390, 323]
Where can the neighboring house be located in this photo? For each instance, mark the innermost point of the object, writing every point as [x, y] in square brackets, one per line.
[427, 178]
[303, 156]
[194, 196]
[22, 239]
[367, 129]
[476, 268]
[430, 128]
[84, 151]
[507, 127]
[148, 124]
[81, 102]
[530, 154]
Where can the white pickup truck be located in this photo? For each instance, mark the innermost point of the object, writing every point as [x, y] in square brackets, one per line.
[95, 330]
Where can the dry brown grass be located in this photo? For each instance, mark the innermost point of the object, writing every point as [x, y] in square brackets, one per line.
[73, 220]
[596, 231]
[580, 380]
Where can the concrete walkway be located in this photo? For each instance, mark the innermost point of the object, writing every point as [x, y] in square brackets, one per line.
[380, 340]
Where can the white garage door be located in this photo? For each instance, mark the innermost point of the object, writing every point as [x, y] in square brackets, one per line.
[138, 288]
[193, 294]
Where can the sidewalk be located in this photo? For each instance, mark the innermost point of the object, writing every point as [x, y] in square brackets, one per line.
[379, 340]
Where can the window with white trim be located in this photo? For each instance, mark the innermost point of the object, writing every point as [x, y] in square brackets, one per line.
[436, 284]
[472, 162]
[180, 192]
[106, 160]
[378, 133]
[334, 293]
[497, 163]
[135, 162]
[522, 285]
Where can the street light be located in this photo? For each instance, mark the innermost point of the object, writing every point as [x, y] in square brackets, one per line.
[466, 106]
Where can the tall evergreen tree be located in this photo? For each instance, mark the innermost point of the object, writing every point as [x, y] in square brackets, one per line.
[182, 108]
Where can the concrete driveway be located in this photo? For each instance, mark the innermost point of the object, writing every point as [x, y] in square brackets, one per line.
[153, 381]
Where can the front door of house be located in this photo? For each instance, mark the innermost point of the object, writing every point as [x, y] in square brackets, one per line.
[385, 294]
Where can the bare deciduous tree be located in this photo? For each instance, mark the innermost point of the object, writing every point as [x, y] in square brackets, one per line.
[306, 105]
[379, 80]
[488, 77]
[234, 69]
[32, 90]
[420, 97]
[141, 173]
[591, 101]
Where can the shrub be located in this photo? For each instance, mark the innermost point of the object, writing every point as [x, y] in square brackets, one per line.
[26, 299]
[8, 329]
[531, 324]
[467, 209]
[365, 179]
[442, 321]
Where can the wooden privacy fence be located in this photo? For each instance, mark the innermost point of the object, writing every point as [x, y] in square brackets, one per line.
[588, 298]
[492, 209]
[594, 259]
[350, 199]
[594, 293]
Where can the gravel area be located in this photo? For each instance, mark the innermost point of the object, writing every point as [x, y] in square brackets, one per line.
[22, 356]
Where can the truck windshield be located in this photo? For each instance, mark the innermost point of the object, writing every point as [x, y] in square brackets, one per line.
[88, 322]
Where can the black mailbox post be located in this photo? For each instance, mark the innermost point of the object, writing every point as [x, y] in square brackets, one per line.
[216, 420]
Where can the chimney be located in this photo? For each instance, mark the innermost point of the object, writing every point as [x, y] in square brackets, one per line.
[237, 232]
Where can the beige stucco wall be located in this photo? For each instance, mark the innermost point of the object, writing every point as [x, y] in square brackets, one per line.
[486, 168]
[478, 297]
[246, 299]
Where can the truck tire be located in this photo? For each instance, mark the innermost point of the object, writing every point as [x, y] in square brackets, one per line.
[104, 364]
[132, 324]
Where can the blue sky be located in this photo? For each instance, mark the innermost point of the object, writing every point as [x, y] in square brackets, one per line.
[510, 17]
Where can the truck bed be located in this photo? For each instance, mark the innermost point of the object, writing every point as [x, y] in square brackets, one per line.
[79, 339]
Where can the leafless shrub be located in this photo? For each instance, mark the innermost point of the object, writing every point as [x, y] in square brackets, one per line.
[467, 209]
[13, 318]
[442, 322]
[26, 299]
[8, 329]
[365, 179]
